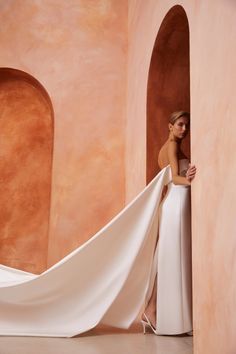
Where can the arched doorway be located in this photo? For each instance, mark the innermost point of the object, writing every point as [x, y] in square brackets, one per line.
[168, 83]
[26, 144]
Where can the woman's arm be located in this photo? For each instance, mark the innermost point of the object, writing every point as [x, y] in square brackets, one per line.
[174, 165]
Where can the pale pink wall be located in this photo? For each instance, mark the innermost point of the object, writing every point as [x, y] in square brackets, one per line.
[77, 49]
[213, 125]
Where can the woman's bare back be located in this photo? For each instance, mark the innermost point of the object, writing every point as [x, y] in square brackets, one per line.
[163, 159]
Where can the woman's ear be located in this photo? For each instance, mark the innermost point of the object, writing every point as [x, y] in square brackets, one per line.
[170, 126]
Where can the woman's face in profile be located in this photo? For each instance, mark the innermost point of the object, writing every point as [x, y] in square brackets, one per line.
[180, 128]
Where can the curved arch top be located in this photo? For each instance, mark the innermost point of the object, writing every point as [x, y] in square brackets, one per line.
[26, 139]
[168, 87]
[10, 74]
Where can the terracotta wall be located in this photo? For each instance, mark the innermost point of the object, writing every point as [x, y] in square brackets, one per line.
[168, 87]
[77, 49]
[213, 110]
[26, 141]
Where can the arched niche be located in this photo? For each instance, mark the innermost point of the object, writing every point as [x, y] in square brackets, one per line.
[168, 83]
[26, 146]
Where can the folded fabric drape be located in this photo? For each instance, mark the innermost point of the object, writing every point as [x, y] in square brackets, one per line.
[106, 280]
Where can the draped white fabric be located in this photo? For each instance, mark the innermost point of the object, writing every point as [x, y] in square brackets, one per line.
[104, 281]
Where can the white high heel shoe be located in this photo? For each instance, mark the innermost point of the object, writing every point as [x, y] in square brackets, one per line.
[147, 324]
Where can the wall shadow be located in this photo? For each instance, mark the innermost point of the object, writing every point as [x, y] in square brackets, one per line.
[168, 83]
[26, 147]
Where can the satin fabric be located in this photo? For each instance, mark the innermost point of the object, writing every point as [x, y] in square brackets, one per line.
[104, 281]
[174, 274]
[108, 279]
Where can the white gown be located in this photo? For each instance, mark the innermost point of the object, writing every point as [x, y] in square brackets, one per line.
[108, 279]
[173, 258]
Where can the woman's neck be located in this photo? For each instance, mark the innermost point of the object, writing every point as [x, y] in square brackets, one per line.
[177, 140]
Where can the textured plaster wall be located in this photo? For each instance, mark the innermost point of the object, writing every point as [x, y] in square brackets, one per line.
[168, 87]
[26, 141]
[213, 110]
[77, 49]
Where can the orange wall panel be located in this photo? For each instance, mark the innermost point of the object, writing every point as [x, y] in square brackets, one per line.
[26, 140]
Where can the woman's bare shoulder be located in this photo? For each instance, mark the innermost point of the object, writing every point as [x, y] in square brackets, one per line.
[173, 148]
[163, 159]
[172, 143]
[163, 153]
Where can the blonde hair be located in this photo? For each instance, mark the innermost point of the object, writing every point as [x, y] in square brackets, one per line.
[176, 115]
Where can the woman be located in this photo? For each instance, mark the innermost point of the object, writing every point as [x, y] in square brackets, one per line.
[106, 280]
[169, 307]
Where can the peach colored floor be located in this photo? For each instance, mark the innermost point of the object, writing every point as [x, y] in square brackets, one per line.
[99, 343]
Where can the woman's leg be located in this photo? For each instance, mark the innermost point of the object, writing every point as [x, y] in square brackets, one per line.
[150, 310]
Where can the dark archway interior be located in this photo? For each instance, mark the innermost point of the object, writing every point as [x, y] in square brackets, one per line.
[26, 144]
[168, 83]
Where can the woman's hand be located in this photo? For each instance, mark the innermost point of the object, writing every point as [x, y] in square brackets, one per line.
[191, 172]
